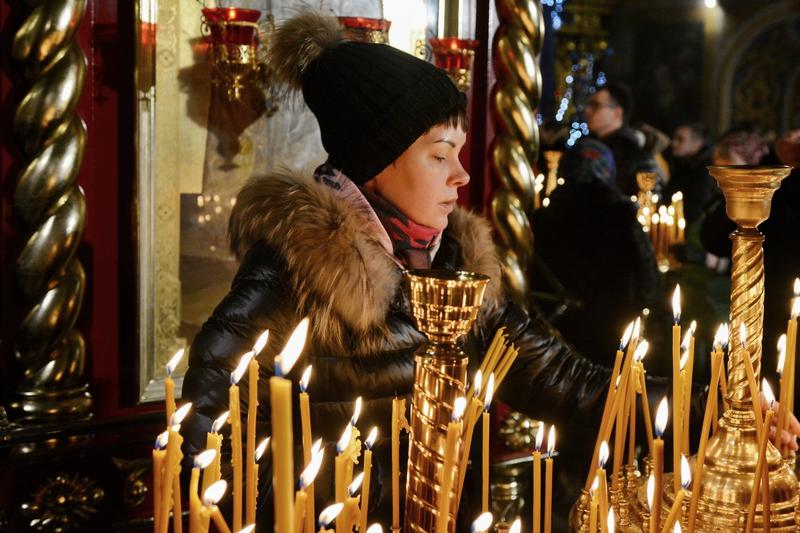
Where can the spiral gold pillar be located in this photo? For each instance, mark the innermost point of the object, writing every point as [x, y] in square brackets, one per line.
[515, 147]
[445, 304]
[50, 207]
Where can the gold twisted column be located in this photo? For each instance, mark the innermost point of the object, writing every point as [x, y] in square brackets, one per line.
[514, 149]
[51, 209]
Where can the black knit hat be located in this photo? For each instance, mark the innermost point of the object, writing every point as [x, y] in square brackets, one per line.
[372, 101]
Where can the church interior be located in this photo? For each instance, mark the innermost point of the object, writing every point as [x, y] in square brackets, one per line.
[619, 260]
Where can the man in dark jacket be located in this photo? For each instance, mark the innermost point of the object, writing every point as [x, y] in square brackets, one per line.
[689, 156]
[608, 113]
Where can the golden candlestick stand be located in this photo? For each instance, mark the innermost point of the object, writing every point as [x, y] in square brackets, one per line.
[445, 304]
[732, 454]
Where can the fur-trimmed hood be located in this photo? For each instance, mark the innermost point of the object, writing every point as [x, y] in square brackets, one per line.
[339, 271]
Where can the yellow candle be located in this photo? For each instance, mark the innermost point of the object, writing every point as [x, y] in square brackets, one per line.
[306, 483]
[485, 455]
[236, 438]
[342, 457]
[674, 512]
[648, 423]
[548, 480]
[622, 401]
[677, 389]
[252, 412]
[300, 499]
[652, 525]
[755, 397]
[169, 384]
[602, 484]
[791, 358]
[201, 462]
[783, 393]
[305, 426]
[760, 471]
[593, 513]
[399, 421]
[686, 402]
[537, 480]
[170, 488]
[446, 479]
[662, 415]
[280, 393]
[159, 455]
[362, 520]
[212, 472]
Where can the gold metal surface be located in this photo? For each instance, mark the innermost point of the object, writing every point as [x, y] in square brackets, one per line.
[444, 304]
[63, 503]
[514, 97]
[51, 208]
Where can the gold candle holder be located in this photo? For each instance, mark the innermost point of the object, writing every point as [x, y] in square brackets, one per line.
[444, 304]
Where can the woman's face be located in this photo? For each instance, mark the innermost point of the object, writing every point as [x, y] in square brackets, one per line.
[423, 182]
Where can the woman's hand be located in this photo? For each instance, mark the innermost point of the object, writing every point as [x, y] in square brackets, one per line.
[787, 437]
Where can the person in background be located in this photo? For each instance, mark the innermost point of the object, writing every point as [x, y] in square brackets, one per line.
[688, 158]
[608, 114]
[590, 239]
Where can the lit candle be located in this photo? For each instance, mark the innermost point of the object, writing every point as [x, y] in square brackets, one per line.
[362, 521]
[662, 416]
[755, 397]
[213, 472]
[602, 487]
[548, 480]
[328, 515]
[470, 419]
[711, 407]
[342, 457]
[593, 504]
[677, 505]
[648, 423]
[306, 481]
[688, 370]
[169, 384]
[252, 414]
[622, 403]
[399, 421]
[349, 516]
[516, 526]
[170, 487]
[305, 425]
[677, 391]
[159, 454]
[783, 393]
[482, 523]
[280, 392]
[767, 501]
[201, 461]
[354, 447]
[211, 496]
[610, 521]
[537, 479]
[791, 358]
[633, 385]
[651, 490]
[485, 455]
[762, 467]
[375, 528]
[723, 378]
[446, 475]
[236, 437]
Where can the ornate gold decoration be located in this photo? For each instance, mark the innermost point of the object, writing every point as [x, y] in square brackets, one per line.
[366, 30]
[63, 503]
[515, 147]
[455, 56]
[444, 304]
[518, 432]
[51, 208]
[134, 492]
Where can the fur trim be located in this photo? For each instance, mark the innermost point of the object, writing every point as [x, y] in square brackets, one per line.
[298, 42]
[340, 274]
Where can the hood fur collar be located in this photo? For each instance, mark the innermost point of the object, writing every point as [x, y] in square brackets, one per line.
[338, 270]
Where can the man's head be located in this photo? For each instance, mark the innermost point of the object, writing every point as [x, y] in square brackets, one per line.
[688, 140]
[609, 109]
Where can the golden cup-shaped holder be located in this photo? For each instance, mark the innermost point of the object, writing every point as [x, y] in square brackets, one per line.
[445, 303]
[646, 181]
[748, 190]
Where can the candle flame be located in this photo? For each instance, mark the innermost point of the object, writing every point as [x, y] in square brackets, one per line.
[162, 440]
[203, 459]
[684, 358]
[662, 415]
[682, 223]
[602, 456]
[641, 351]
[595, 484]
[781, 353]
[686, 473]
[676, 304]
[344, 440]
[516, 526]
[356, 412]
[219, 422]
[261, 341]
[637, 327]
[482, 523]
[375, 528]
[247, 529]
[551, 440]
[797, 287]
[677, 197]
[478, 381]
[767, 391]
[654, 218]
[458, 408]
[238, 372]
[611, 522]
[310, 472]
[626, 337]
[671, 210]
[373, 434]
[489, 392]
[173, 363]
[305, 378]
[214, 492]
[677, 528]
[288, 356]
[687, 337]
[719, 337]
[329, 514]
[178, 416]
[540, 436]
[795, 308]
[316, 447]
[651, 491]
[743, 335]
[662, 210]
[355, 485]
[261, 448]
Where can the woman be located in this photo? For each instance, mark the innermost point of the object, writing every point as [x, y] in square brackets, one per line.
[333, 246]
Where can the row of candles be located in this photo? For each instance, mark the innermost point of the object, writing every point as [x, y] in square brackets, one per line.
[665, 225]
[619, 415]
[296, 512]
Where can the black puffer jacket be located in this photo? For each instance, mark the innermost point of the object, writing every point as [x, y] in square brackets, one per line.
[306, 251]
[631, 157]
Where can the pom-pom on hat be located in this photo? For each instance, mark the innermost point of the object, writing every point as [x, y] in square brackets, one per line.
[372, 101]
